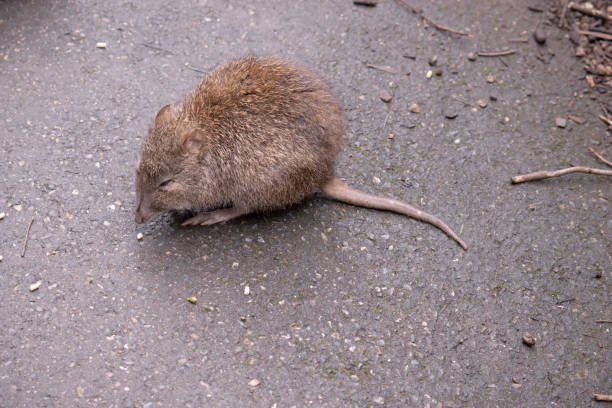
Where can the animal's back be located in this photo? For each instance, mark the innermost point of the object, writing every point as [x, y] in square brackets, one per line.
[275, 129]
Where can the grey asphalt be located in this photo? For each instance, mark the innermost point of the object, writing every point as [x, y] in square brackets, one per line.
[347, 307]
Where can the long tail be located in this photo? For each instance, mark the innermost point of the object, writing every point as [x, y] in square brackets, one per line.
[338, 190]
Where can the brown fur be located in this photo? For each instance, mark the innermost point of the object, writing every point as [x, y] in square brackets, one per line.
[257, 134]
[270, 133]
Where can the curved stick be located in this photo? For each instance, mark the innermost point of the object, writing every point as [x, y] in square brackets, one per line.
[540, 175]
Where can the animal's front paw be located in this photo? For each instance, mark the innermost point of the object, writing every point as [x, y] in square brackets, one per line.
[214, 217]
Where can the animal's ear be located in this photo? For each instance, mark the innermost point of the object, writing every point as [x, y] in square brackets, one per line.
[165, 115]
[193, 141]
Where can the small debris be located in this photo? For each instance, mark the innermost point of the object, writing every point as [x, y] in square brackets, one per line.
[101, 45]
[450, 114]
[139, 236]
[471, 56]
[493, 98]
[367, 3]
[35, 286]
[375, 180]
[560, 122]
[589, 79]
[391, 136]
[576, 119]
[602, 397]
[490, 78]
[515, 381]
[482, 103]
[580, 51]
[90, 280]
[1, 258]
[385, 68]
[379, 400]
[254, 382]
[2, 215]
[528, 340]
[439, 72]
[192, 299]
[384, 96]
[429, 74]
[235, 265]
[433, 61]
[247, 290]
[539, 34]
[414, 108]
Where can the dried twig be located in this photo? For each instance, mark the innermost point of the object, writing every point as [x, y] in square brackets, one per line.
[603, 321]
[385, 68]
[496, 54]
[535, 9]
[153, 47]
[600, 157]
[543, 174]
[27, 236]
[602, 397]
[595, 34]
[589, 11]
[430, 21]
[606, 120]
[576, 119]
[562, 18]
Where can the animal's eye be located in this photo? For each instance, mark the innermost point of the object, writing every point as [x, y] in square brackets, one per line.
[165, 183]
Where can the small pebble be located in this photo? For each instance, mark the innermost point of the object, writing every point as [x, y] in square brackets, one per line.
[433, 61]
[35, 286]
[247, 290]
[540, 34]
[414, 108]
[450, 115]
[379, 400]
[384, 96]
[580, 51]
[560, 122]
[482, 103]
[139, 236]
[490, 78]
[2, 215]
[101, 45]
[192, 300]
[493, 98]
[429, 74]
[1, 258]
[439, 72]
[528, 339]
[18, 207]
[254, 382]
[471, 56]
[375, 180]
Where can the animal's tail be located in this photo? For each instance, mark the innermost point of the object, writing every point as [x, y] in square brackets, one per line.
[338, 190]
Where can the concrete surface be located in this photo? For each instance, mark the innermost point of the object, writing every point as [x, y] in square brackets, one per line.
[347, 307]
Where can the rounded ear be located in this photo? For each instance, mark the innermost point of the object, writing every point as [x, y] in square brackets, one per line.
[193, 141]
[165, 115]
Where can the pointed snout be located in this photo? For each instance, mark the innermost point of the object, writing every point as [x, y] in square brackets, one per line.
[140, 216]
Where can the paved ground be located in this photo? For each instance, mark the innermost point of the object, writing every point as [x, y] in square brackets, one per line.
[347, 306]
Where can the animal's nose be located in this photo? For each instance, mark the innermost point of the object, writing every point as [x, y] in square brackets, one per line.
[138, 218]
